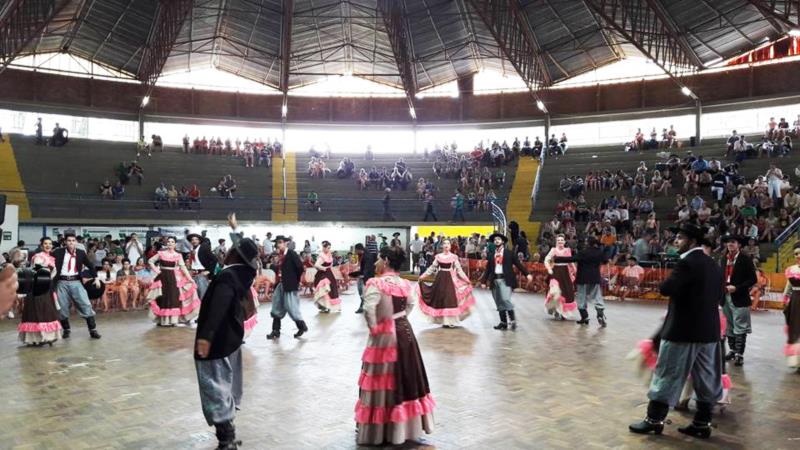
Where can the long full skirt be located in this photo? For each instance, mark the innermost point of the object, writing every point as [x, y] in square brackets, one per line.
[173, 298]
[326, 291]
[40, 323]
[395, 404]
[560, 298]
[792, 314]
[448, 300]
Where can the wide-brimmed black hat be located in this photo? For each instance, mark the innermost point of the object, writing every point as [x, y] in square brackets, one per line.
[248, 250]
[194, 235]
[742, 240]
[500, 235]
[282, 238]
[692, 232]
[396, 234]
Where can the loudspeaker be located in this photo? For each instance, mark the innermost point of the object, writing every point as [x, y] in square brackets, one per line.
[2, 208]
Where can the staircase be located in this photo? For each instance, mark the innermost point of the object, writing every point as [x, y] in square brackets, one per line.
[284, 171]
[10, 180]
[520, 200]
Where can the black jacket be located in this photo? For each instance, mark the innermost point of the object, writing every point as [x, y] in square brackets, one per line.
[82, 261]
[221, 319]
[291, 271]
[694, 289]
[589, 261]
[743, 277]
[510, 260]
[367, 267]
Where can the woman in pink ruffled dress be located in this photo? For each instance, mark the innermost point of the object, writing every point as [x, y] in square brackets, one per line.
[250, 305]
[560, 298]
[40, 324]
[326, 288]
[449, 300]
[173, 295]
[791, 312]
[395, 404]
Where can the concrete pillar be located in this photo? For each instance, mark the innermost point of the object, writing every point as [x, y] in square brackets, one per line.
[141, 123]
[698, 115]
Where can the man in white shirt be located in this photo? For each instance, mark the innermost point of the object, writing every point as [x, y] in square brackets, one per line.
[314, 246]
[184, 246]
[774, 181]
[268, 248]
[416, 251]
[196, 268]
[134, 249]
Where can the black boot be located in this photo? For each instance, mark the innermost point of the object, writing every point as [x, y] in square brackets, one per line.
[66, 330]
[701, 425]
[503, 325]
[301, 328]
[731, 349]
[601, 317]
[360, 309]
[512, 320]
[276, 329]
[654, 422]
[90, 323]
[584, 317]
[226, 435]
[741, 341]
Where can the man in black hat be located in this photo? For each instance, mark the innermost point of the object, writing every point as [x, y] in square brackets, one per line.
[200, 275]
[689, 338]
[739, 277]
[366, 262]
[396, 242]
[289, 270]
[588, 279]
[220, 330]
[70, 262]
[500, 277]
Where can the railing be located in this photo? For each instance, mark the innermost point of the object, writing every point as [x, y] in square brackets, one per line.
[499, 217]
[536, 183]
[784, 244]
[345, 207]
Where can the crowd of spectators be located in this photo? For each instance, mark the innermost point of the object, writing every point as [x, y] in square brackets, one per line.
[253, 153]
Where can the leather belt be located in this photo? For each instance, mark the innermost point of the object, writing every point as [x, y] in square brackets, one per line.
[69, 278]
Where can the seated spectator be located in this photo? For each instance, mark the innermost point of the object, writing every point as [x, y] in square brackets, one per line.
[537, 147]
[228, 185]
[183, 198]
[117, 191]
[194, 195]
[60, 136]
[160, 197]
[105, 189]
[632, 276]
[264, 157]
[363, 180]
[141, 146]
[172, 196]
[312, 200]
[136, 171]
[156, 143]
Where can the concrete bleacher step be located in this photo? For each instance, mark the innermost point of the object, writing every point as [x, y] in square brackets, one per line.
[64, 182]
[580, 161]
[342, 198]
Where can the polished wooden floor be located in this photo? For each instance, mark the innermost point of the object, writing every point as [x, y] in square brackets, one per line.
[547, 385]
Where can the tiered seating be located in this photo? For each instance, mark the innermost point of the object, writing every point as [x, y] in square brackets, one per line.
[63, 182]
[341, 199]
[581, 160]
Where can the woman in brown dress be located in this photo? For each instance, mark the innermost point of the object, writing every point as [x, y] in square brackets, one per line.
[395, 404]
[791, 310]
[326, 287]
[40, 323]
[449, 300]
[173, 294]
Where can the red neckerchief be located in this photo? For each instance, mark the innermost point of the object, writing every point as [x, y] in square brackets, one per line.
[72, 260]
[729, 266]
[498, 256]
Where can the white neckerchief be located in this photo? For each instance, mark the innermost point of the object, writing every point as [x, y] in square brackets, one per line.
[684, 255]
